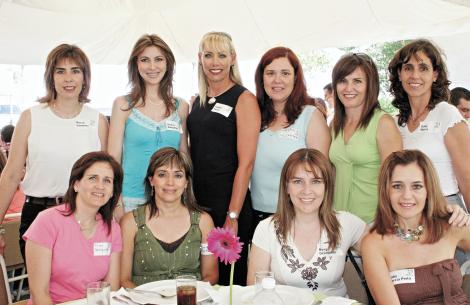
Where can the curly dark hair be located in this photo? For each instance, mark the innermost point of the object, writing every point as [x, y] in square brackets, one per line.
[439, 89]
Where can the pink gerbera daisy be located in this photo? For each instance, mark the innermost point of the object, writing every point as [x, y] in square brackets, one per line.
[224, 245]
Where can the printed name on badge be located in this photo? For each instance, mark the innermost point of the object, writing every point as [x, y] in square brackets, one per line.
[173, 126]
[102, 249]
[82, 123]
[403, 276]
[223, 109]
[289, 133]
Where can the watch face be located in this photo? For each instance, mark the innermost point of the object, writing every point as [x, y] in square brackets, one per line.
[232, 215]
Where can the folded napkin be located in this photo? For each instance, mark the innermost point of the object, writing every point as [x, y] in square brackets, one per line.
[125, 297]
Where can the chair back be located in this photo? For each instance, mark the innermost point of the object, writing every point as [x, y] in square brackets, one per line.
[12, 253]
[353, 284]
[5, 295]
[466, 285]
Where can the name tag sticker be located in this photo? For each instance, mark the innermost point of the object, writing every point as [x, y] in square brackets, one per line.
[223, 109]
[403, 276]
[82, 123]
[289, 133]
[173, 126]
[102, 249]
[431, 127]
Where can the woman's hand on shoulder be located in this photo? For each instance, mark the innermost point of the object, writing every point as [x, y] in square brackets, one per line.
[388, 137]
[458, 217]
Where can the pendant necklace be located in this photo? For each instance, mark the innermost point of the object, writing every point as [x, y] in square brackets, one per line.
[408, 235]
[214, 98]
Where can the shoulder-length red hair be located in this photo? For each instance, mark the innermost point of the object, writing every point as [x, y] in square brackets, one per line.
[297, 98]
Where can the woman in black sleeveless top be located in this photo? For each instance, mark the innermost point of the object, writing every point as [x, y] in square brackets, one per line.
[223, 127]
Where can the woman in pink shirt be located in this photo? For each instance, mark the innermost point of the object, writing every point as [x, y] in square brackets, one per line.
[78, 242]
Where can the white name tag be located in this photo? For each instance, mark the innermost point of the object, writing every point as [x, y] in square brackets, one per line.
[82, 123]
[102, 249]
[403, 276]
[222, 109]
[173, 126]
[289, 133]
[431, 127]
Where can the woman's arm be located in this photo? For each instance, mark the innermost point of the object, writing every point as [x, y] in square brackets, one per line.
[457, 141]
[209, 265]
[318, 134]
[248, 126]
[376, 271]
[116, 139]
[113, 274]
[103, 132]
[117, 126]
[13, 172]
[128, 230]
[357, 246]
[183, 111]
[259, 260]
[388, 137]
[38, 261]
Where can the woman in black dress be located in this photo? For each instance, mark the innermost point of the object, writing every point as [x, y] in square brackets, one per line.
[223, 127]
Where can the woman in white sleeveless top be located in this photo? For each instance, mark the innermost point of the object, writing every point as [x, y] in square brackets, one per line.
[51, 136]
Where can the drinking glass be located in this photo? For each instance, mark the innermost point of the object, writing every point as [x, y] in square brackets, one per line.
[98, 293]
[186, 289]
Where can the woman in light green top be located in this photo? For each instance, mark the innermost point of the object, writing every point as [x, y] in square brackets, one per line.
[363, 135]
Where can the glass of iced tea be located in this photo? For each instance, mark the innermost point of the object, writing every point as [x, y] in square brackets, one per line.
[186, 289]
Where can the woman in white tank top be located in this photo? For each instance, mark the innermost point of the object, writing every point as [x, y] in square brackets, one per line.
[51, 136]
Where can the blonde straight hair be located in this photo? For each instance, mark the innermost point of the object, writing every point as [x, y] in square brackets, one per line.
[217, 41]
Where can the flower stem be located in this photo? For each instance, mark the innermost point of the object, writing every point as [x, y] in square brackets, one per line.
[232, 269]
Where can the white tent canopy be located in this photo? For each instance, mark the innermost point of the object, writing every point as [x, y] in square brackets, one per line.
[107, 29]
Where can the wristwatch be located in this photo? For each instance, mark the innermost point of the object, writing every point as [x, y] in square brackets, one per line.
[232, 215]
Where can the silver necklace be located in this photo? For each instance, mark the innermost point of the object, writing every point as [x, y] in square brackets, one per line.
[408, 235]
[214, 98]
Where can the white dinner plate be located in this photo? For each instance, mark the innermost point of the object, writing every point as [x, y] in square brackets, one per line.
[170, 285]
[288, 294]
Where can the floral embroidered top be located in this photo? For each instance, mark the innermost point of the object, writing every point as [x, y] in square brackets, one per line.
[324, 271]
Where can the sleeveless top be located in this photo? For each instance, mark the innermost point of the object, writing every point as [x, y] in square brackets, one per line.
[54, 144]
[269, 161]
[213, 136]
[152, 263]
[437, 283]
[357, 168]
[142, 137]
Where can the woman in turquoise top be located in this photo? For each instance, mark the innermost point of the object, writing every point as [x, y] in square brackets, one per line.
[147, 119]
[288, 124]
[363, 135]
[167, 236]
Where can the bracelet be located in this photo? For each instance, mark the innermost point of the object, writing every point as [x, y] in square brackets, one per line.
[2, 230]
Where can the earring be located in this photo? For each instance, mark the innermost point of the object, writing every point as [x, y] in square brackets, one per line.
[153, 190]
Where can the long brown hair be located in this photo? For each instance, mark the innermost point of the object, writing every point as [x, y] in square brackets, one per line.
[345, 66]
[137, 83]
[439, 88]
[78, 170]
[296, 100]
[434, 215]
[321, 167]
[59, 53]
[169, 156]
